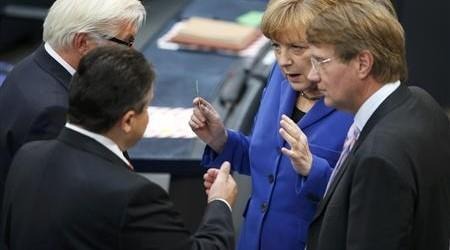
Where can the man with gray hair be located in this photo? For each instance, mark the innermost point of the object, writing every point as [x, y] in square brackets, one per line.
[78, 191]
[34, 96]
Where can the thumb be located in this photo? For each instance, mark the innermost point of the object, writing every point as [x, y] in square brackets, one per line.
[197, 101]
[224, 171]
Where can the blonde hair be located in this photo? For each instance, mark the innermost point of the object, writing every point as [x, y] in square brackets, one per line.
[289, 18]
[356, 25]
[104, 17]
[388, 5]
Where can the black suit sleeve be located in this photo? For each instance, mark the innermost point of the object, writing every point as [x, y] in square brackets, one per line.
[381, 205]
[216, 229]
[47, 124]
[151, 222]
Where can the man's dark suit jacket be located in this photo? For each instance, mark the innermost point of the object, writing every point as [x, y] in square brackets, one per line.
[33, 104]
[393, 190]
[73, 193]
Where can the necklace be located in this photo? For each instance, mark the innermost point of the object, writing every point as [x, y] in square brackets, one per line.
[311, 98]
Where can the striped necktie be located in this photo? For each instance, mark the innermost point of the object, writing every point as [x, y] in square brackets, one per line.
[352, 136]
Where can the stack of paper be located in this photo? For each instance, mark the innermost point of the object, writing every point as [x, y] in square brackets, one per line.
[217, 34]
[166, 122]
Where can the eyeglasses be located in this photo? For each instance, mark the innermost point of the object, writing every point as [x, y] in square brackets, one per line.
[119, 41]
[316, 63]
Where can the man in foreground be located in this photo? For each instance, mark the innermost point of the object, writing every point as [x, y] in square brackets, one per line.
[390, 187]
[78, 191]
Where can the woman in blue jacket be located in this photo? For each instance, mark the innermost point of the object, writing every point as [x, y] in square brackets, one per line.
[295, 142]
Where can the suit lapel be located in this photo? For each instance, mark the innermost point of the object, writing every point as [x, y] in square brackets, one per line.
[317, 112]
[288, 98]
[324, 202]
[90, 145]
[51, 66]
[398, 97]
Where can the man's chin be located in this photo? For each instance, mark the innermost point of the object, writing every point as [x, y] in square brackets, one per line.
[328, 102]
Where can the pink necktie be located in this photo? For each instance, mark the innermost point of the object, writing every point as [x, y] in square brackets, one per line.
[130, 167]
[352, 136]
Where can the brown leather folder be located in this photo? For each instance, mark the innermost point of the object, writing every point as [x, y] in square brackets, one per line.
[217, 34]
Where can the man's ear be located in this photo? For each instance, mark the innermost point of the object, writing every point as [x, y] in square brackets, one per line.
[80, 43]
[365, 63]
[127, 121]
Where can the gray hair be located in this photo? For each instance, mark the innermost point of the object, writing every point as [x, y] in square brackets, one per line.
[66, 18]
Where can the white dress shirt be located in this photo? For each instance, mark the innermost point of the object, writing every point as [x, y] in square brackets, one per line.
[373, 102]
[105, 141]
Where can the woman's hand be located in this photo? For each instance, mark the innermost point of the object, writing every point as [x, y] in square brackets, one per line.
[207, 125]
[299, 153]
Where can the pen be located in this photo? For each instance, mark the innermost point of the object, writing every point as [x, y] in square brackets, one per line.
[197, 93]
[196, 88]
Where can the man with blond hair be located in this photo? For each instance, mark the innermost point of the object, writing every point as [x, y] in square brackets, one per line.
[34, 96]
[390, 187]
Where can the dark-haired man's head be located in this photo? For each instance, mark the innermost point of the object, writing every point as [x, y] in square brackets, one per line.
[110, 92]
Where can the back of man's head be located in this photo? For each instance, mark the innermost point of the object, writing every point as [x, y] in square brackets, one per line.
[110, 81]
[102, 18]
[353, 26]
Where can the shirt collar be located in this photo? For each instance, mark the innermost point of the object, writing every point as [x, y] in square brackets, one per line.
[373, 102]
[59, 59]
[105, 141]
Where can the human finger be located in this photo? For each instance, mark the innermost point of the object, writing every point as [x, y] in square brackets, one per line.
[198, 114]
[291, 140]
[290, 127]
[223, 172]
[196, 121]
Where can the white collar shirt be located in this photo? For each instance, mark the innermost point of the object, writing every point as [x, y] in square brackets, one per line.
[373, 102]
[105, 141]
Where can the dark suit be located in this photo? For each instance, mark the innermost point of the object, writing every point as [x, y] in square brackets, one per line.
[393, 189]
[73, 193]
[33, 104]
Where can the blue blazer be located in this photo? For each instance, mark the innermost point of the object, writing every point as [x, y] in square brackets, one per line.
[282, 202]
[33, 104]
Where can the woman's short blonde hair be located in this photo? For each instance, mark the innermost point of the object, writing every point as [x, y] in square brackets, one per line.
[288, 19]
